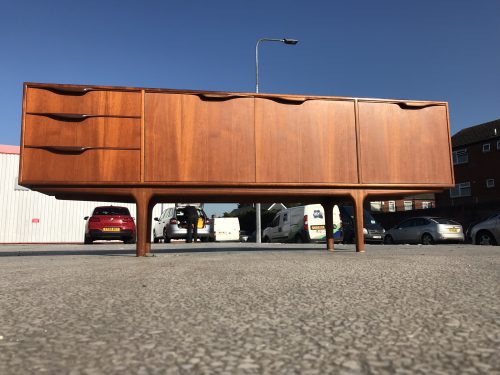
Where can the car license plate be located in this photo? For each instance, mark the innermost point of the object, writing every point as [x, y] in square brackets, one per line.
[377, 236]
[110, 229]
[453, 230]
[317, 227]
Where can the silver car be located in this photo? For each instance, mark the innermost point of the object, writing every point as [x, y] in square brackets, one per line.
[425, 230]
[487, 232]
[172, 225]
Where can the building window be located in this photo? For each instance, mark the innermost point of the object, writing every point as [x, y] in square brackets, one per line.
[486, 147]
[426, 205]
[392, 206]
[408, 205]
[490, 182]
[376, 206]
[460, 156]
[461, 190]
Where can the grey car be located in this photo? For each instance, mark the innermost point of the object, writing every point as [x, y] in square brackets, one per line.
[487, 232]
[425, 230]
[172, 225]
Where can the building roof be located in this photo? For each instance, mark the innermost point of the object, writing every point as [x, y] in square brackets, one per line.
[7, 149]
[476, 133]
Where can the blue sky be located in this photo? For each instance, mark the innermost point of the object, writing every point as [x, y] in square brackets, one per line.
[425, 50]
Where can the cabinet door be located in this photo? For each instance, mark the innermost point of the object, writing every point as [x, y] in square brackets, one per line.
[311, 141]
[50, 165]
[403, 144]
[115, 132]
[199, 138]
[94, 102]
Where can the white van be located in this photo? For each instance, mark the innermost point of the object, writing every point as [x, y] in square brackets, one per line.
[302, 224]
[225, 229]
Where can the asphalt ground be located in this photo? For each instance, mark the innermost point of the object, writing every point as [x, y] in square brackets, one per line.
[249, 309]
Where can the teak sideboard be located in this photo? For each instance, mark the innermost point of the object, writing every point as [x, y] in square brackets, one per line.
[156, 145]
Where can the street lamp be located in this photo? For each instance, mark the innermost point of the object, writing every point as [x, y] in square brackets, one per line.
[285, 41]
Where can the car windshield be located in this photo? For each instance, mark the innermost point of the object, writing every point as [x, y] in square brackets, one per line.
[367, 217]
[445, 221]
[111, 211]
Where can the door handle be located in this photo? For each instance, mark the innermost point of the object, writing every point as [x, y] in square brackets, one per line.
[214, 97]
[416, 105]
[74, 117]
[71, 117]
[285, 99]
[66, 149]
[73, 91]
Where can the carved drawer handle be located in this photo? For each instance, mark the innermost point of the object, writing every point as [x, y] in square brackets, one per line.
[416, 105]
[286, 99]
[72, 117]
[218, 97]
[72, 91]
[66, 149]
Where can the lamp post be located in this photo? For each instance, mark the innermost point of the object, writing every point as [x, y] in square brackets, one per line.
[258, 225]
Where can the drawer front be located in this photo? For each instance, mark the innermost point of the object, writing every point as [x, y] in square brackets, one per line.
[98, 102]
[195, 139]
[404, 145]
[115, 132]
[305, 142]
[94, 165]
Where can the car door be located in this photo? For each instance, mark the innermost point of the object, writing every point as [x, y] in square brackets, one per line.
[278, 233]
[495, 228]
[420, 227]
[272, 231]
[404, 231]
[164, 219]
[284, 228]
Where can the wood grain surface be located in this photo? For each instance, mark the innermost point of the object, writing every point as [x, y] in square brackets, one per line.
[100, 102]
[404, 146]
[101, 165]
[309, 142]
[90, 132]
[192, 139]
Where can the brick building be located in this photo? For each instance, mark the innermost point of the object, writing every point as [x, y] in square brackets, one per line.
[476, 164]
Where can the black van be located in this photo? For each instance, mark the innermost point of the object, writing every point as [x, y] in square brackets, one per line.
[374, 232]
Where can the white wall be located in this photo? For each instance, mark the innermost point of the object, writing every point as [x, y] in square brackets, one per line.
[58, 220]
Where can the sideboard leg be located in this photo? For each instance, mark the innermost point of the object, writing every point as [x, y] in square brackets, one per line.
[359, 197]
[328, 208]
[144, 215]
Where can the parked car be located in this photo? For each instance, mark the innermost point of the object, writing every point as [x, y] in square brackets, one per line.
[172, 225]
[110, 223]
[244, 236]
[487, 232]
[301, 224]
[425, 230]
[372, 230]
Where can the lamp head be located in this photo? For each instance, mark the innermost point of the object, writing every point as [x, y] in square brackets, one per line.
[290, 41]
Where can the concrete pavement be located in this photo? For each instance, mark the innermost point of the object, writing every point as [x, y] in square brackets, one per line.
[249, 309]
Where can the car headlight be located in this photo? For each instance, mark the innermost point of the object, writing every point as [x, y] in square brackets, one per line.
[365, 231]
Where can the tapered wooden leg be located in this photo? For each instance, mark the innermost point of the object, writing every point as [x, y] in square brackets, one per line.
[328, 208]
[144, 215]
[359, 197]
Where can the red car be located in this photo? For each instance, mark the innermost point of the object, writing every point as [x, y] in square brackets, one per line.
[110, 223]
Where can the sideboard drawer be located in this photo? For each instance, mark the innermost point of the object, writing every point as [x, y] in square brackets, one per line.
[43, 165]
[92, 102]
[118, 132]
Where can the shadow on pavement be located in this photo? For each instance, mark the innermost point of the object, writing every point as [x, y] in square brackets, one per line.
[172, 249]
